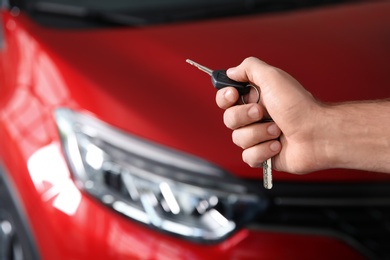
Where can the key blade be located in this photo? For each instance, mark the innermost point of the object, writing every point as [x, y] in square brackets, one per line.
[202, 68]
[267, 174]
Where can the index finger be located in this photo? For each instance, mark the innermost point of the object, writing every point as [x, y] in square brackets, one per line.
[247, 70]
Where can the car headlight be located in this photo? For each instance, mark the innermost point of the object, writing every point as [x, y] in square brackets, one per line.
[163, 188]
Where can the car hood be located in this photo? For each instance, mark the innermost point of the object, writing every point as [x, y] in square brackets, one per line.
[137, 79]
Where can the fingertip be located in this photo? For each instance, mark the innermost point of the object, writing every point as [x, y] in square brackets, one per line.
[231, 71]
[226, 97]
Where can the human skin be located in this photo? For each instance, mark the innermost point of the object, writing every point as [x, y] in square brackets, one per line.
[306, 135]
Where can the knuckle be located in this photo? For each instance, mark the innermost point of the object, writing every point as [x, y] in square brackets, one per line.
[251, 59]
[231, 118]
[228, 119]
[235, 139]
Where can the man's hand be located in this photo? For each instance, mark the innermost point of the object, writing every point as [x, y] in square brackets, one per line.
[306, 135]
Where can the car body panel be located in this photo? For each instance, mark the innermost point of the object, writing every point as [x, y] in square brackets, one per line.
[137, 80]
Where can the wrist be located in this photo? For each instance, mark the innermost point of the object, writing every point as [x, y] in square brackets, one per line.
[332, 137]
[324, 139]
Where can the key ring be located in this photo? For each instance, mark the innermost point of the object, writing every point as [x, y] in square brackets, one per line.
[258, 94]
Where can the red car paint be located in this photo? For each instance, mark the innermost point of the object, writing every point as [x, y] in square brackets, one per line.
[137, 80]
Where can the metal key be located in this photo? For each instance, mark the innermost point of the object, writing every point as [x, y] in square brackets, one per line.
[221, 80]
[267, 174]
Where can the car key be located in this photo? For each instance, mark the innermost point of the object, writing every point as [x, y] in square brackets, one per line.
[221, 80]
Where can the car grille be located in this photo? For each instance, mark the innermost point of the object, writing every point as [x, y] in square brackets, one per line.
[358, 214]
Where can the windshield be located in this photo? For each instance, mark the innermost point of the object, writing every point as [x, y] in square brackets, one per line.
[96, 13]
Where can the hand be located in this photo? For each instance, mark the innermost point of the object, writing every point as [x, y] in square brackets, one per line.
[292, 140]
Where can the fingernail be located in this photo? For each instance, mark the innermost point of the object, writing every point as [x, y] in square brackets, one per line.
[228, 94]
[275, 146]
[254, 113]
[230, 70]
[273, 129]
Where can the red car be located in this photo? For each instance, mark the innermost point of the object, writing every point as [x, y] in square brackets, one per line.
[112, 146]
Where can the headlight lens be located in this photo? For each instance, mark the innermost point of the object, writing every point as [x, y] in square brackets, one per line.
[165, 189]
